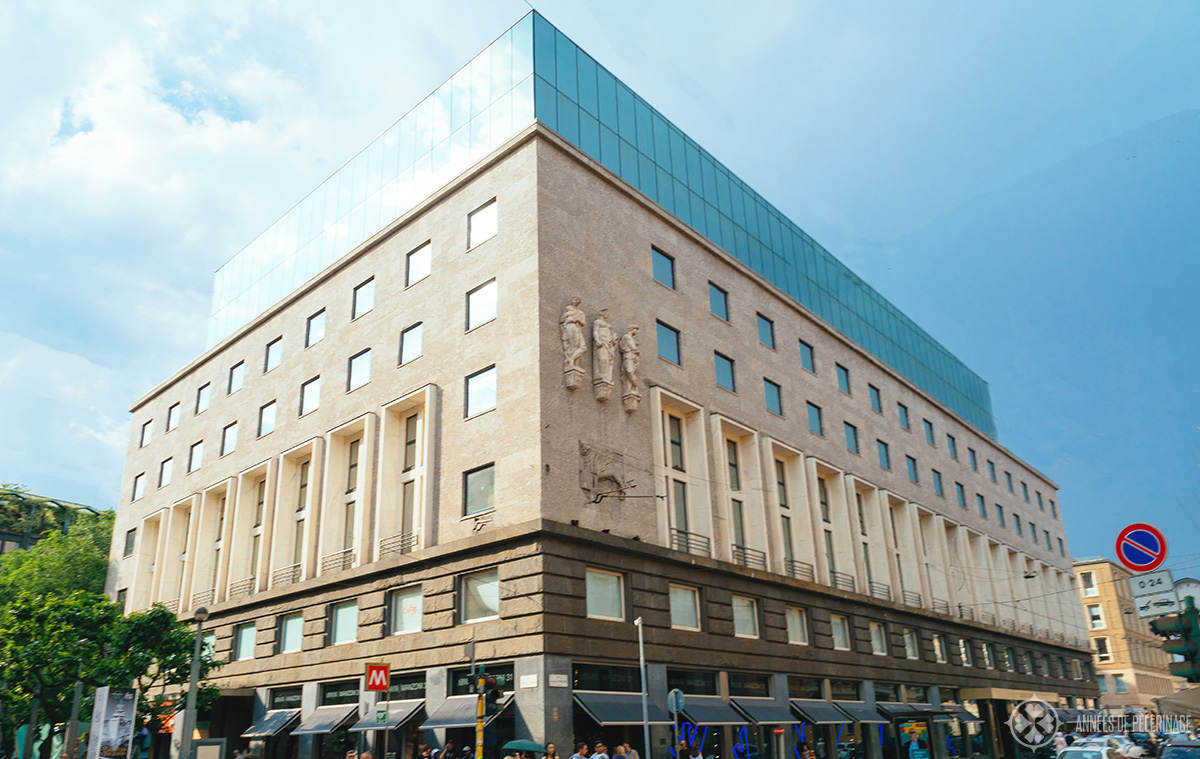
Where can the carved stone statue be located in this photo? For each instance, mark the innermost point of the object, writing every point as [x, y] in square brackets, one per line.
[630, 357]
[604, 354]
[571, 325]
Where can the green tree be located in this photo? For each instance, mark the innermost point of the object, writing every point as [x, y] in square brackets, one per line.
[22, 512]
[60, 564]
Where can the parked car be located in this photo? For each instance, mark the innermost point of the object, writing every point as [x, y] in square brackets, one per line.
[1081, 751]
[1147, 741]
[1181, 749]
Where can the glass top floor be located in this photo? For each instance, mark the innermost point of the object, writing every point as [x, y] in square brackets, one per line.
[533, 71]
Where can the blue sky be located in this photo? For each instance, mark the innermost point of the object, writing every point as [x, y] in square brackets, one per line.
[1018, 177]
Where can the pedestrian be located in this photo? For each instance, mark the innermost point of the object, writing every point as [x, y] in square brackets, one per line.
[581, 751]
[551, 752]
[1060, 743]
[619, 751]
[631, 752]
[601, 751]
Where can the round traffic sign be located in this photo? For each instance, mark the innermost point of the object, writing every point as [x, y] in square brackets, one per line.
[1141, 547]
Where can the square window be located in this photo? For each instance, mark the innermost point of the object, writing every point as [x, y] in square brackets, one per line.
[418, 265]
[974, 459]
[814, 419]
[344, 627]
[479, 596]
[314, 330]
[481, 305]
[165, 470]
[961, 494]
[807, 358]
[410, 344]
[291, 633]
[605, 594]
[797, 625]
[195, 456]
[147, 432]
[663, 267]
[481, 392]
[482, 224]
[274, 355]
[1089, 584]
[745, 617]
[310, 396]
[685, 607]
[203, 396]
[774, 396]
[360, 370]
[878, 639]
[766, 331]
[876, 399]
[364, 299]
[237, 377]
[843, 375]
[173, 414]
[885, 459]
[404, 610]
[937, 482]
[243, 642]
[840, 626]
[229, 439]
[912, 469]
[929, 432]
[724, 370]
[902, 411]
[668, 343]
[130, 542]
[952, 446]
[479, 490]
[718, 302]
[912, 644]
[266, 419]
[851, 437]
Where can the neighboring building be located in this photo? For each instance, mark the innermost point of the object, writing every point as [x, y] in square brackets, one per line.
[1131, 668]
[406, 439]
[16, 538]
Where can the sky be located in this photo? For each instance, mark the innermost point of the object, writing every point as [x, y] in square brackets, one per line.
[1019, 177]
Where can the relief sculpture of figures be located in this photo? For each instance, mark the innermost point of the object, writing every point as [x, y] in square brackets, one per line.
[604, 354]
[629, 367]
[574, 344]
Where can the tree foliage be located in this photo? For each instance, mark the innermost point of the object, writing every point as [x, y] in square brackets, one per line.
[22, 512]
[60, 564]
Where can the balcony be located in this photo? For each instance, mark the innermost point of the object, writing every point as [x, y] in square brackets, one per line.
[285, 575]
[880, 590]
[842, 581]
[987, 618]
[242, 587]
[337, 561]
[172, 605]
[403, 543]
[909, 598]
[749, 557]
[940, 606]
[800, 570]
[690, 542]
[966, 612]
[203, 597]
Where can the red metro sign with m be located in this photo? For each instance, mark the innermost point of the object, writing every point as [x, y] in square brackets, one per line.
[1141, 547]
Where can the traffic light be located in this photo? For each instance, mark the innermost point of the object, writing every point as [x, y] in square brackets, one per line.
[491, 697]
[1182, 632]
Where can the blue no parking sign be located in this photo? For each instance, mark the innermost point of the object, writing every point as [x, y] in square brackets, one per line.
[1141, 547]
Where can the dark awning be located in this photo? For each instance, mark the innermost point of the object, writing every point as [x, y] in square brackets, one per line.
[272, 722]
[326, 719]
[460, 711]
[619, 709]
[399, 712]
[965, 716]
[819, 712]
[1067, 715]
[711, 710]
[860, 712]
[764, 711]
[917, 711]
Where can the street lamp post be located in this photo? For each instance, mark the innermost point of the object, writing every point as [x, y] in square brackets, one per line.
[189, 711]
[645, 687]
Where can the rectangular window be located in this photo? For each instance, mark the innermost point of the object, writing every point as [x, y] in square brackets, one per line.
[1103, 655]
[481, 305]
[344, 626]
[1053, 510]
[310, 396]
[605, 594]
[807, 359]
[1102, 683]
[1062, 550]
[664, 267]
[314, 330]
[773, 395]
[479, 490]
[952, 446]
[266, 419]
[797, 625]
[147, 432]
[229, 439]
[823, 498]
[359, 372]
[840, 626]
[745, 617]
[718, 301]
[668, 343]
[479, 596]
[902, 411]
[1041, 504]
[789, 553]
[482, 224]
[982, 504]
[165, 470]
[939, 648]
[237, 377]
[851, 437]
[410, 443]
[679, 496]
[1017, 523]
[878, 639]
[291, 633]
[173, 413]
[989, 656]
[928, 431]
[937, 481]
[195, 456]
[1119, 683]
[685, 607]
[1095, 617]
[274, 355]
[913, 476]
[260, 505]
[404, 610]
[964, 651]
[912, 644]
[843, 375]
[724, 371]
[243, 642]
[876, 399]
[766, 331]
[974, 459]
[139, 487]
[353, 452]
[675, 441]
[364, 299]
[960, 494]
[814, 419]
[731, 460]
[999, 515]
[481, 392]
[885, 458]
[203, 396]
[1046, 535]
[130, 542]
[418, 264]
[781, 484]
[410, 343]
[1008, 481]
[991, 471]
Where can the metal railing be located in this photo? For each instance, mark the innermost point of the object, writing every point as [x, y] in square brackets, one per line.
[842, 581]
[987, 618]
[402, 543]
[749, 557]
[337, 561]
[1025, 628]
[909, 598]
[285, 575]
[940, 606]
[966, 612]
[801, 570]
[172, 605]
[880, 590]
[1043, 633]
[203, 597]
[1057, 637]
[690, 542]
[242, 587]
[1008, 623]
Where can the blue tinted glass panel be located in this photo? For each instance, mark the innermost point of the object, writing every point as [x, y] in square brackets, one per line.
[885, 459]
[912, 469]
[937, 481]
[876, 400]
[718, 301]
[806, 357]
[851, 437]
[724, 369]
[766, 331]
[668, 343]
[774, 396]
[843, 375]
[814, 420]
[982, 504]
[664, 268]
[902, 410]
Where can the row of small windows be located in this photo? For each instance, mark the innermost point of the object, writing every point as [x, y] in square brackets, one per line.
[663, 267]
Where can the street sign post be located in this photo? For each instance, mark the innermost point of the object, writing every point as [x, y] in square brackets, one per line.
[675, 702]
[1141, 547]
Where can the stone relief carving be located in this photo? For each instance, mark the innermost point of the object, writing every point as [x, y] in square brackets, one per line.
[600, 470]
[604, 354]
[630, 357]
[574, 343]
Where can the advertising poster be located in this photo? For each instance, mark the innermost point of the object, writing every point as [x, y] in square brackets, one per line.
[914, 740]
[112, 723]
